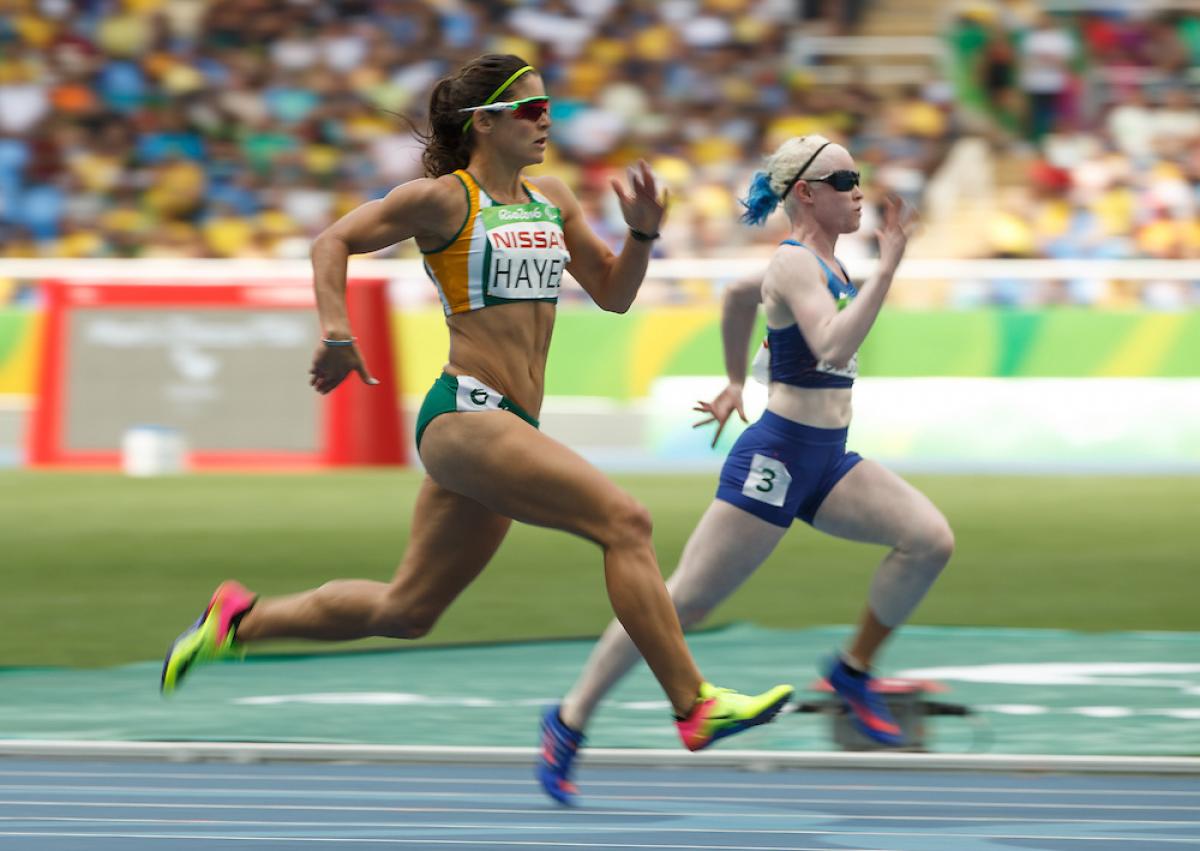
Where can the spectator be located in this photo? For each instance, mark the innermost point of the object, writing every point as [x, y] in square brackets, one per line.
[1046, 56]
[233, 127]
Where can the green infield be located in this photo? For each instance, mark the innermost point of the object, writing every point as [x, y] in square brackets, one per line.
[101, 569]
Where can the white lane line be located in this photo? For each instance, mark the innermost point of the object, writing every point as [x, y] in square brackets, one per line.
[741, 847]
[624, 784]
[406, 825]
[531, 794]
[574, 813]
[625, 757]
[422, 841]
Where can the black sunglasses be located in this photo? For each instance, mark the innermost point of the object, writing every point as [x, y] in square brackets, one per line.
[842, 181]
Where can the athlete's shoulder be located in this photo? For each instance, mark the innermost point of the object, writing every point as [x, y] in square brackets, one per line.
[553, 188]
[791, 258]
[446, 189]
[428, 196]
[791, 267]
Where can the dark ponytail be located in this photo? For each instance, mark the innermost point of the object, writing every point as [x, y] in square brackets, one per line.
[447, 146]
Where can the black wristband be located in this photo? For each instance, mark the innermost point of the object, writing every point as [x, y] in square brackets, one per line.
[643, 237]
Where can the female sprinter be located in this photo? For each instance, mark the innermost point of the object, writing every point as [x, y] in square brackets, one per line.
[793, 462]
[495, 245]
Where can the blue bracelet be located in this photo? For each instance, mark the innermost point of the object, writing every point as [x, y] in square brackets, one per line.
[337, 344]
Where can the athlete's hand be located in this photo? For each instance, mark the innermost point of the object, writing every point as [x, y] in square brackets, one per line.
[642, 208]
[899, 223]
[720, 409]
[331, 365]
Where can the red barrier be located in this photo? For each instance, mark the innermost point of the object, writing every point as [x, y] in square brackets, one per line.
[356, 424]
[362, 421]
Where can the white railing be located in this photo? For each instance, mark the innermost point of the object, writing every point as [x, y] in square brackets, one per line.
[175, 271]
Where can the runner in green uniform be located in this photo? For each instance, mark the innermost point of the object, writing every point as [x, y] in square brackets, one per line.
[495, 245]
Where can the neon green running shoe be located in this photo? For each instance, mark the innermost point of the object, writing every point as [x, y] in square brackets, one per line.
[211, 637]
[721, 712]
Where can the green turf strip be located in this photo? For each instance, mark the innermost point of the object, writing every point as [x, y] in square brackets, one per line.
[100, 569]
[1035, 691]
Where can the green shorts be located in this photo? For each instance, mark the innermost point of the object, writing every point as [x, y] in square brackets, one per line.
[451, 393]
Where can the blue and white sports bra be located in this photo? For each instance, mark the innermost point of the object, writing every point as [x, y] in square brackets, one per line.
[787, 354]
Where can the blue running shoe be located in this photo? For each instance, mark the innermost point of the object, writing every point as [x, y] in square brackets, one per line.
[556, 757]
[868, 710]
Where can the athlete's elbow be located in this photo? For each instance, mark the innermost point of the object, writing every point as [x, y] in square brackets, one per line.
[328, 242]
[838, 358]
[612, 302]
[832, 353]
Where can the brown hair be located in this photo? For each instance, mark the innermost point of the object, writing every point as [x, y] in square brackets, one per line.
[447, 147]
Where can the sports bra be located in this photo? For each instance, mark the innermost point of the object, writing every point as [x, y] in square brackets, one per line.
[502, 253]
[787, 354]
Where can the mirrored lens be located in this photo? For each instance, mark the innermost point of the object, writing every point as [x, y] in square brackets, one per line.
[532, 111]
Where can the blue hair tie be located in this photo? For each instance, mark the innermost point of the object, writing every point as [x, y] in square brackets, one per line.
[760, 201]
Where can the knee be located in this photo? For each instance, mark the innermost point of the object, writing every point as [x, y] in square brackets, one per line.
[944, 542]
[627, 523]
[935, 542]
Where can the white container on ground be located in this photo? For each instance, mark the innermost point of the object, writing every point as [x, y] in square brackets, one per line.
[153, 450]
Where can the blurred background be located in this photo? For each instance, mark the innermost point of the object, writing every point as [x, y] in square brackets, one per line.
[206, 128]
[1036, 369]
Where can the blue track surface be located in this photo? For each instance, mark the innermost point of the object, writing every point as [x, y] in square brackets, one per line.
[56, 805]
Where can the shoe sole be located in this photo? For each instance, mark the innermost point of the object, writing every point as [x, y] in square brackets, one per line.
[565, 798]
[543, 770]
[187, 663]
[184, 665]
[860, 725]
[873, 735]
[767, 714]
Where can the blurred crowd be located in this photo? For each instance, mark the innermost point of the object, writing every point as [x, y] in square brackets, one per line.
[242, 128]
[235, 128]
[1099, 110]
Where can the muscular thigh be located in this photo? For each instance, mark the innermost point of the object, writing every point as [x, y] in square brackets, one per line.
[513, 469]
[873, 505]
[453, 538]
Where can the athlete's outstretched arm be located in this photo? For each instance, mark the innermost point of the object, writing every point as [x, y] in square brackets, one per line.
[836, 335]
[739, 308]
[738, 311]
[612, 280]
[405, 212]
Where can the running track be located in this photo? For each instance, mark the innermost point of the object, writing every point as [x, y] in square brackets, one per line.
[119, 805]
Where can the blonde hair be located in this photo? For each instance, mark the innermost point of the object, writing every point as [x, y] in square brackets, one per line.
[783, 165]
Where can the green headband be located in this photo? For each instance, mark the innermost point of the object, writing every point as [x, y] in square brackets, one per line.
[516, 75]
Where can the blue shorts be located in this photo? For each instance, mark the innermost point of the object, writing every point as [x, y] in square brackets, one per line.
[779, 469]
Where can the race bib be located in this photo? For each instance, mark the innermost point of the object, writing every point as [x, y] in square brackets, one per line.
[474, 395]
[768, 480]
[526, 251]
[850, 370]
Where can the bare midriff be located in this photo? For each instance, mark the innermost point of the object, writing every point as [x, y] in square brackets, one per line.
[505, 346]
[820, 407]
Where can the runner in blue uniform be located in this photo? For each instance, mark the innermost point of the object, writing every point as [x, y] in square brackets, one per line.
[793, 462]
